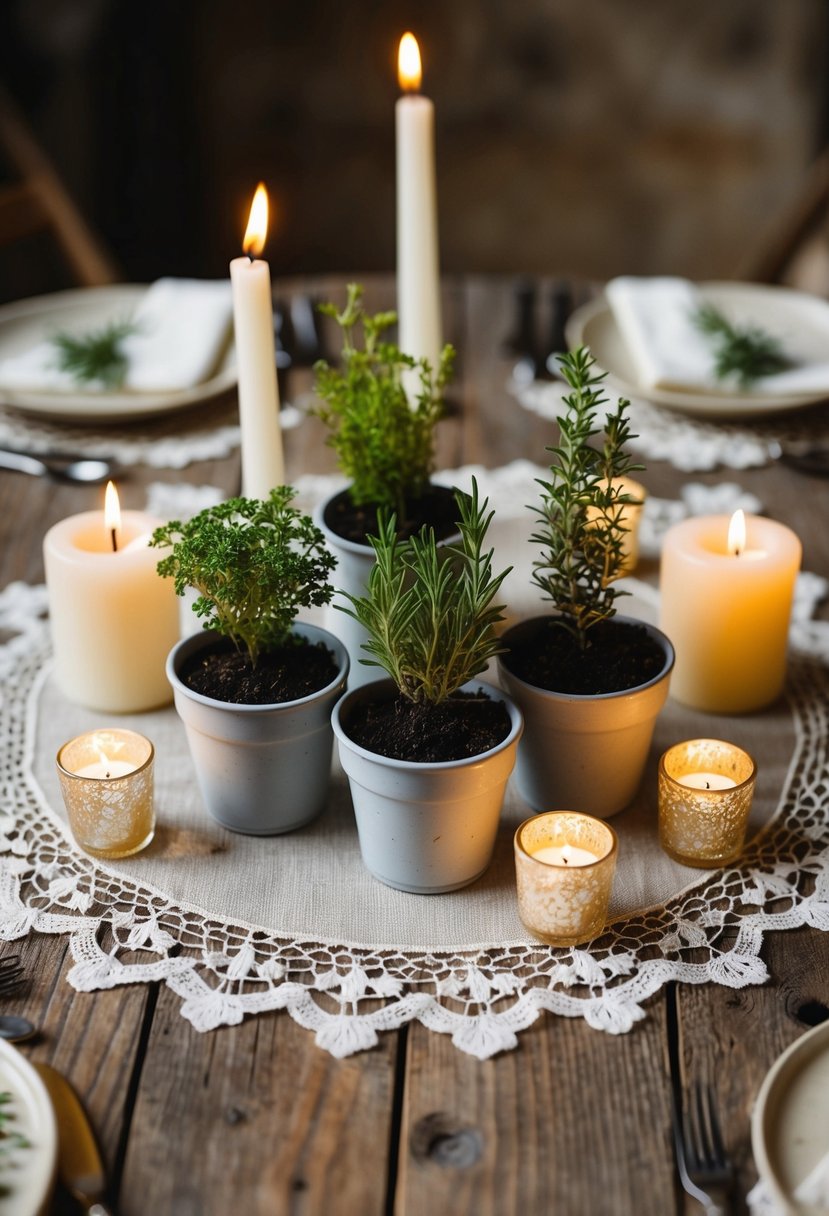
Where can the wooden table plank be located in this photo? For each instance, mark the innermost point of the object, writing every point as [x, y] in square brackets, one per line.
[256, 1119]
[573, 1121]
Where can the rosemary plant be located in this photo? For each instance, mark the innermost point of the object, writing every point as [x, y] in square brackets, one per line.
[384, 441]
[582, 531]
[95, 356]
[743, 353]
[254, 564]
[429, 611]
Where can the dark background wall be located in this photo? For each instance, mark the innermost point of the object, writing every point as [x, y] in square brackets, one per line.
[592, 136]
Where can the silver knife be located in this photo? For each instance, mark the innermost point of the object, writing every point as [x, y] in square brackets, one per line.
[79, 1160]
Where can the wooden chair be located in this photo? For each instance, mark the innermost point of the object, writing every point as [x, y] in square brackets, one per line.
[37, 199]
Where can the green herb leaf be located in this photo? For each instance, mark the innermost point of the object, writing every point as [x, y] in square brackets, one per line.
[430, 612]
[97, 355]
[582, 532]
[254, 564]
[742, 353]
[383, 440]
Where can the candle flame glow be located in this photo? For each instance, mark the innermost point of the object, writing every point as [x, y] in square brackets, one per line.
[257, 229]
[737, 533]
[566, 854]
[409, 71]
[112, 511]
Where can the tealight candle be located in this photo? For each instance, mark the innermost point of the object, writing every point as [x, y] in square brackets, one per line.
[106, 778]
[113, 618]
[418, 271]
[261, 432]
[564, 866]
[725, 604]
[705, 792]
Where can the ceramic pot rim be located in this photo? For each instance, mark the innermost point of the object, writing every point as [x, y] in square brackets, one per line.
[314, 633]
[385, 687]
[657, 634]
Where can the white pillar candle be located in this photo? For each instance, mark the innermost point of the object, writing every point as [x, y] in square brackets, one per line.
[113, 618]
[261, 433]
[726, 609]
[418, 269]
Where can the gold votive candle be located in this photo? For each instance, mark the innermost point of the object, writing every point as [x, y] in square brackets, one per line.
[106, 778]
[705, 792]
[564, 865]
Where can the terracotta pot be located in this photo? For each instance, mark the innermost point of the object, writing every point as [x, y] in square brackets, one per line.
[261, 769]
[585, 753]
[425, 828]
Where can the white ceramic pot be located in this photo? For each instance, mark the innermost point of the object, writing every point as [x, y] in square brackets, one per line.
[261, 769]
[425, 828]
[585, 753]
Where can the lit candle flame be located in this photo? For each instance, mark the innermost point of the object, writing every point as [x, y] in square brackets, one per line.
[112, 513]
[566, 854]
[409, 71]
[737, 533]
[257, 229]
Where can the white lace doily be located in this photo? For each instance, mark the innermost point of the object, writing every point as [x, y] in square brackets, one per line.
[124, 931]
[693, 445]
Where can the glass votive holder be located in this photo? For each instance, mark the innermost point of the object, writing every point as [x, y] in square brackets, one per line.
[106, 779]
[705, 792]
[564, 865]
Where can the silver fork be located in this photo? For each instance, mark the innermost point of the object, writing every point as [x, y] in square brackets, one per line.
[704, 1168]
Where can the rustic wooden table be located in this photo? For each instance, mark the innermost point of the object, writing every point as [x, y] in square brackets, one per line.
[256, 1118]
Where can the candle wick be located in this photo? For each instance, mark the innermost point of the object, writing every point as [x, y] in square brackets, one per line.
[708, 785]
[251, 256]
[114, 535]
[566, 860]
[107, 773]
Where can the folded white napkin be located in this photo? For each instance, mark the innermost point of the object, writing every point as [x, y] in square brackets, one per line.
[655, 317]
[181, 327]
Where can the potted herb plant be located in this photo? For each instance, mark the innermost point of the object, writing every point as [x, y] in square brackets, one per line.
[589, 682]
[255, 688]
[428, 751]
[381, 407]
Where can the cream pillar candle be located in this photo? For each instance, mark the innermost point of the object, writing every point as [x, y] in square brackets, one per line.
[262, 460]
[418, 271]
[113, 618]
[726, 607]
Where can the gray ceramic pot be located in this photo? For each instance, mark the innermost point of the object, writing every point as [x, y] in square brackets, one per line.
[261, 769]
[584, 753]
[425, 828]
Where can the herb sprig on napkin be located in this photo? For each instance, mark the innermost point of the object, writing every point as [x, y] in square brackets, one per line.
[744, 353]
[95, 356]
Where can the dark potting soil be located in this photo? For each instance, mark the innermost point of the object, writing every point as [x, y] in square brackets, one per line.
[465, 725]
[436, 508]
[619, 656]
[283, 674]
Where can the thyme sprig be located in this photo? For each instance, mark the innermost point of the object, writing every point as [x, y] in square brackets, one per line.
[582, 529]
[384, 440]
[430, 612]
[742, 353]
[95, 356]
[254, 564]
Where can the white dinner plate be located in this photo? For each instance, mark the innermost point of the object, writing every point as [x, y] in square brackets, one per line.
[790, 1124]
[26, 1173]
[27, 322]
[800, 322]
